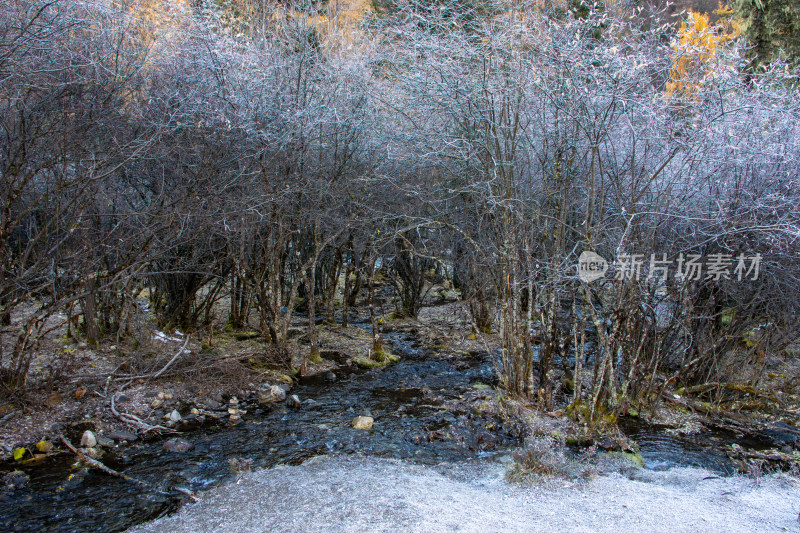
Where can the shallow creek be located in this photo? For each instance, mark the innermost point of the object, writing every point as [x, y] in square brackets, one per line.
[406, 400]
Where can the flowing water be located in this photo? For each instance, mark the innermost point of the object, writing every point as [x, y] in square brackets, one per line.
[662, 450]
[406, 399]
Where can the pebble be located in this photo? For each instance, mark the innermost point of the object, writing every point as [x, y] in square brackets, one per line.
[104, 441]
[177, 445]
[53, 400]
[175, 416]
[363, 422]
[278, 392]
[293, 401]
[88, 440]
[15, 479]
[121, 435]
[92, 453]
[272, 394]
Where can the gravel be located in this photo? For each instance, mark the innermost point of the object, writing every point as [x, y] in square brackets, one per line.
[369, 494]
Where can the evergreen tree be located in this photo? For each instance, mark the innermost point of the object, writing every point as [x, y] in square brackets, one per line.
[772, 27]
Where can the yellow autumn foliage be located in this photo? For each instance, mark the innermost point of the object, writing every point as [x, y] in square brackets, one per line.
[338, 26]
[694, 51]
[151, 20]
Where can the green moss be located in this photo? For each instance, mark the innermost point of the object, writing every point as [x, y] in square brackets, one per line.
[727, 317]
[603, 420]
[579, 440]
[246, 335]
[608, 418]
[635, 459]
[314, 358]
[65, 339]
[577, 410]
[378, 354]
[365, 362]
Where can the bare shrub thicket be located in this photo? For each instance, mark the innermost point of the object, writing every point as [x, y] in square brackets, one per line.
[552, 133]
[280, 153]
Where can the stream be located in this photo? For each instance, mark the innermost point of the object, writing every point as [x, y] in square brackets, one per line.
[406, 399]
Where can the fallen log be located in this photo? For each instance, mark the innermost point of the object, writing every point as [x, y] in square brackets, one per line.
[766, 455]
[94, 463]
[705, 387]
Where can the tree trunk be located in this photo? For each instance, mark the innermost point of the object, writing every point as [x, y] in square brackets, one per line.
[314, 357]
[89, 307]
[377, 343]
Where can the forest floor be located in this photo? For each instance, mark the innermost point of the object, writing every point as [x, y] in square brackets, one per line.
[370, 494]
[200, 376]
[72, 384]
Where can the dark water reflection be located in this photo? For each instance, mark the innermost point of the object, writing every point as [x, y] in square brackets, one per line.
[406, 399]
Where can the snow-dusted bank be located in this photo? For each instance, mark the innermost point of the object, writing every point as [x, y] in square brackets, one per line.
[369, 494]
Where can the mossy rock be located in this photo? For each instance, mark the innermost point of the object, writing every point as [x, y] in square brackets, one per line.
[314, 358]
[365, 362]
[580, 441]
[634, 458]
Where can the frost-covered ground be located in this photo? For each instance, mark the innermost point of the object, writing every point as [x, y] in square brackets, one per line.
[367, 494]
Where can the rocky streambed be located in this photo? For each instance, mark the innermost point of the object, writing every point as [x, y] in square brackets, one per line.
[410, 404]
[426, 409]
